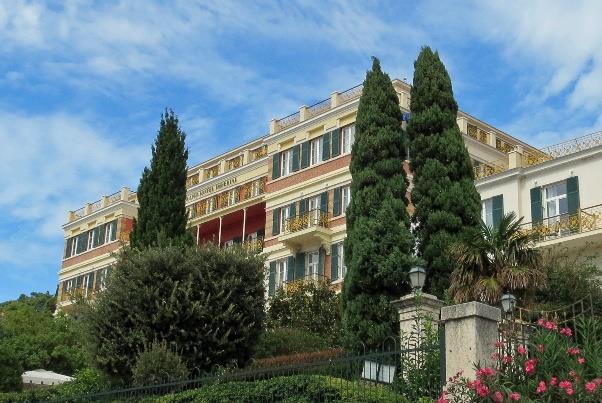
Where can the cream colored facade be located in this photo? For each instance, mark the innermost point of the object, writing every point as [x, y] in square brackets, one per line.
[297, 216]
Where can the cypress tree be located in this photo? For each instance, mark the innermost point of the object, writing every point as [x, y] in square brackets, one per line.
[378, 247]
[162, 189]
[446, 200]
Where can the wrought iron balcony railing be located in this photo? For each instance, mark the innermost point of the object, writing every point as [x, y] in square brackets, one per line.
[308, 278]
[254, 245]
[583, 220]
[308, 219]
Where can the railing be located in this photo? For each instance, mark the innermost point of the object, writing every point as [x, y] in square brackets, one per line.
[352, 93]
[288, 121]
[567, 147]
[502, 146]
[260, 152]
[308, 278]
[318, 108]
[222, 200]
[254, 245]
[97, 205]
[234, 163]
[308, 219]
[584, 220]
[477, 133]
[79, 213]
[485, 169]
[192, 180]
[114, 198]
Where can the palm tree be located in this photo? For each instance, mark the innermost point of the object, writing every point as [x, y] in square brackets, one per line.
[491, 261]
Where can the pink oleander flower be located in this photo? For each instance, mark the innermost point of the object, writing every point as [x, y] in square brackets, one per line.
[581, 360]
[565, 384]
[507, 359]
[569, 391]
[551, 326]
[442, 398]
[497, 396]
[530, 366]
[597, 381]
[522, 350]
[553, 381]
[590, 387]
[482, 390]
[499, 344]
[573, 351]
[514, 396]
[566, 331]
[541, 388]
[541, 348]
[485, 371]
[541, 322]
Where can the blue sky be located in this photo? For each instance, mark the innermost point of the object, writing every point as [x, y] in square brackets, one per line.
[83, 84]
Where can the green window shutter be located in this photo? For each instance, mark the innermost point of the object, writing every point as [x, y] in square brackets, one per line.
[324, 202]
[293, 210]
[290, 268]
[336, 206]
[276, 166]
[322, 257]
[114, 230]
[101, 234]
[302, 206]
[68, 247]
[300, 265]
[326, 146]
[536, 210]
[334, 261]
[497, 209]
[572, 194]
[272, 279]
[295, 153]
[304, 154]
[336, 142]
[276, 221]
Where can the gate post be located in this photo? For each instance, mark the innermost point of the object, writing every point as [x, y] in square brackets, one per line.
[471, 330]
[414, 310]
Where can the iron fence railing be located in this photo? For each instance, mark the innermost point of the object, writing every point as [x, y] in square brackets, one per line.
[583, 220]
[364, 375]
[308, 219]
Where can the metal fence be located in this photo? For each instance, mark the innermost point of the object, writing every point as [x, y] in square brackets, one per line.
[390, 374]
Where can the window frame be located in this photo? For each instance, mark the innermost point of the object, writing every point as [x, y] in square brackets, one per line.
[347, 132]
[312, 268]
[345, 197]
[286, 162]
[315, 151]
[487, 215]
[556, 199]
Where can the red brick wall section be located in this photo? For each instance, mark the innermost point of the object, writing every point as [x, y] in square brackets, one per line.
[306, 174]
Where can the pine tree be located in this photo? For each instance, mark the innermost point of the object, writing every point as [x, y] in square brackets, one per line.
[378, 248]
[446, 200]
[162, 189]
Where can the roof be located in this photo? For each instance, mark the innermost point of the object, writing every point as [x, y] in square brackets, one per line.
[43, 377]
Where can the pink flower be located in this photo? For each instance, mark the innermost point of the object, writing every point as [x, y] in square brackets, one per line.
[590, 387]
[541, 348]
[541, 388]
[507, 359]
[521, 350]
[565, 384]
[550, 326]
[482, 390]
[485, 371]
[499, 344]
[530, 366]
[498, 397]
[569, 391]
[541, 322]
[573, 351]
[514, 396]
[566, 331]
[553, 381]
[597, 381]
[442, 398]
[581, 360]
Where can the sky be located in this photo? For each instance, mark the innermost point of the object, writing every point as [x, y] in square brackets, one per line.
[83, 85]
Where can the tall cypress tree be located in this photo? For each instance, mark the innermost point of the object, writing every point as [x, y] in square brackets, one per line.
[162, 189]
[378, 248]
[446, 200]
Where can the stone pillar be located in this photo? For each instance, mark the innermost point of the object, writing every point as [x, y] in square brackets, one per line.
[335, 99]
[125, 193]
[491, 138]
[515, 158]
[105, 201]
[273, 126]
[302, 113]
[413, 310]
[471, 330]
[462, 124]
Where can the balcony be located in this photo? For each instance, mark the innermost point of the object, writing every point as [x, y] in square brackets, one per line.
[564, 225]
[308, 279]
[125, 194]
[307, 228]
[255, 245]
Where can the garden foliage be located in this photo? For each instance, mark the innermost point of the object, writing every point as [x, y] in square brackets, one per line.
[206, 303]
[444, 194]
[379, 245]
[158, 364]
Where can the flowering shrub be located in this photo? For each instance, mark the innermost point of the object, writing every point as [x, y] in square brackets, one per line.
[557, 365]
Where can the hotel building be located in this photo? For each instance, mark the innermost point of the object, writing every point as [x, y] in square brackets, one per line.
[286, 192]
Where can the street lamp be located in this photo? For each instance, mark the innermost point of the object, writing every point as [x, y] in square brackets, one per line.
[417, 277]
[508, 302]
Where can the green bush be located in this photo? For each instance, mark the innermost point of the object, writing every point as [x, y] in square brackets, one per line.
[157, 365]
[285, 341]
[297, 388]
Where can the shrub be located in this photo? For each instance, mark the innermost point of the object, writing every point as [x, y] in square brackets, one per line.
[206, 302]
[555, 366]
[297, 358]
[158, 364]
[285, 341]
[311, 306]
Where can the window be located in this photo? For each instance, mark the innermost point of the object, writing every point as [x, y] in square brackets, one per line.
[210, 205]
[110, 231]
[256, 188]
[232, 197]
[285, 214]
[555, 200]
[281, 266]
[72, 246]
[348, 138]
[341, 260]
[487, 212]
[314, 209]
[345, 197]
[316, 151]
[101, 278]
[313, 259]
[286, 162]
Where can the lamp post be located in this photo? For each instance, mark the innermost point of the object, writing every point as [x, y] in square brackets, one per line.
[417, 277]
[508, 302]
